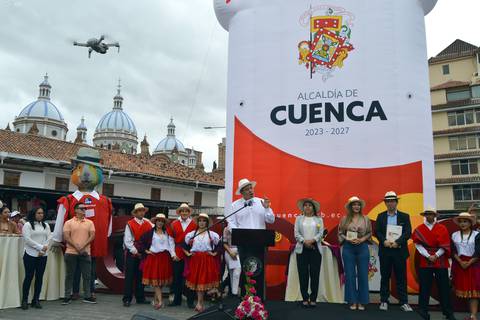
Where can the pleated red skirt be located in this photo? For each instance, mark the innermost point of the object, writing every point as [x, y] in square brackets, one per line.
[466, 281]
[158, 270]
[204, 272]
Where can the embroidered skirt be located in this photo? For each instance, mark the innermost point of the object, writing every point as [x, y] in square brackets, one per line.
[204, 272]
[466, 281]
[158, 270]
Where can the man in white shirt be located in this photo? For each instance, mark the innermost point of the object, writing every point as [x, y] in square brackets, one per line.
[256, 212]
[252, 213]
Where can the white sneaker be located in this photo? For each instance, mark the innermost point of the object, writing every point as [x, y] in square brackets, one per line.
[406, 307]
[384, 306]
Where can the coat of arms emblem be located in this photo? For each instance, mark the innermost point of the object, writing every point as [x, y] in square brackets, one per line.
[329, 40]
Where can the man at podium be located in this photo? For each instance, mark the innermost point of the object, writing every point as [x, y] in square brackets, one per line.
[251, 213]
[256, 212]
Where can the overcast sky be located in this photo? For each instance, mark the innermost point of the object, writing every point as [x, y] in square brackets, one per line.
[172, 61]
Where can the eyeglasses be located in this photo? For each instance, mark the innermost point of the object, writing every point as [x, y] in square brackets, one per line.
[81, 208]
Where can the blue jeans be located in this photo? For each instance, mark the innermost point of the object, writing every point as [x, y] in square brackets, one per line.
[355, 263]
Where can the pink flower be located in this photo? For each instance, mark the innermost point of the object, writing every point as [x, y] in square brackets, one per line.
[251, 281]
[239, 313]
[252, 291]
[256, 315]
[257, 299]
[249, 274]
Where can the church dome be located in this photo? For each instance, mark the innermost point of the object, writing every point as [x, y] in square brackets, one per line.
[117, 120]
[116, 130]
[170, 142]
[42, 107]
[42, 116]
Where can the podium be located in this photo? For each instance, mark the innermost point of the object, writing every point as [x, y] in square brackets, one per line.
[252, 247]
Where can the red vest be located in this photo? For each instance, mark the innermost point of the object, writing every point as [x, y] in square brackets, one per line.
[99, 212]
[138, 229]
[432, 240]
[179, 236]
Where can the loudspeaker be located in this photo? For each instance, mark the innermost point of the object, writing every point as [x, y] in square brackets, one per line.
[150, 316]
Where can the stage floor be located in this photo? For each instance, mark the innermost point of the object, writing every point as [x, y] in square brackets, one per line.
[280, 310]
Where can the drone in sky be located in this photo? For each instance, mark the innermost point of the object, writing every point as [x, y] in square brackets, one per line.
[97, 45]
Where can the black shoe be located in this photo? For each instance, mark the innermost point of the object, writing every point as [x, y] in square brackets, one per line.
[24, 305]
[126, 303]
[173, 304]
[36, 305]
[90, 300]
[190, 304]
[144, 302]
[66, 301]
[312, 305]
[304, 304]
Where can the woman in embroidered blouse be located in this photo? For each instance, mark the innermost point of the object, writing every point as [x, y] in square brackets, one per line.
[466, 267]
[7, 226]
[37, 235]
[203, 266]
[159, 248]
[354, 233]
[308, 233]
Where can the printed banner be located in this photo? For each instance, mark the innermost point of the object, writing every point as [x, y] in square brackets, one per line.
[328, 99]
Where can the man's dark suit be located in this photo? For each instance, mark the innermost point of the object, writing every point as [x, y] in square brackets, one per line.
[393, 258]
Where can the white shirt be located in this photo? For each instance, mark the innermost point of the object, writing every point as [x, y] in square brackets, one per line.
[421, 249]
[252, 216]
[465, 247]
[129, 239]
[36, 238]
[309, 228]
[162, 242]
[185, 222]
[58, 231]
[202, 242]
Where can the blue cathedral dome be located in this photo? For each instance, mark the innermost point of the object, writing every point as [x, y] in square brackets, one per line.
[117, 119]
[42, 107]
[170, 142]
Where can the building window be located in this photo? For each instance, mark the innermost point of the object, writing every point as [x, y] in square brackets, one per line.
[466, 192]
[61, 184]
[460, 118]
[11, 178]
[463, 94]
[197, 199]
[54, 133]
[476, 92]
[461, 167]
[446, 69]
[155, 194]
[463, 142]
[108, 189]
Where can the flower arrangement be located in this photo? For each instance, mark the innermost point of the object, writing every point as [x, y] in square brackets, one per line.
[251, 307]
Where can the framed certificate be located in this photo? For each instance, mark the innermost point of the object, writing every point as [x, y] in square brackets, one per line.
[393, 232]
[351, 235]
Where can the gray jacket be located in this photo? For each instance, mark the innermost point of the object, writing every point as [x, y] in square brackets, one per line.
[299, 232]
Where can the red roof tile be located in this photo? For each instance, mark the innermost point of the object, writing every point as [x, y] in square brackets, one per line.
[450, 84]
[156, 165]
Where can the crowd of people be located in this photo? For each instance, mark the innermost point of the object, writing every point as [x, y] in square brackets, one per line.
[190, 258]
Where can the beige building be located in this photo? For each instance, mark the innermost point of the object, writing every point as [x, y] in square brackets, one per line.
[455, 92]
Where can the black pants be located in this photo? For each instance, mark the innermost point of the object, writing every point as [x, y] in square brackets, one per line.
[133, 275]
[93, 277]
[33, 266]
[178, 284]
[308, 265]
[398, 264]
[441, 278]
